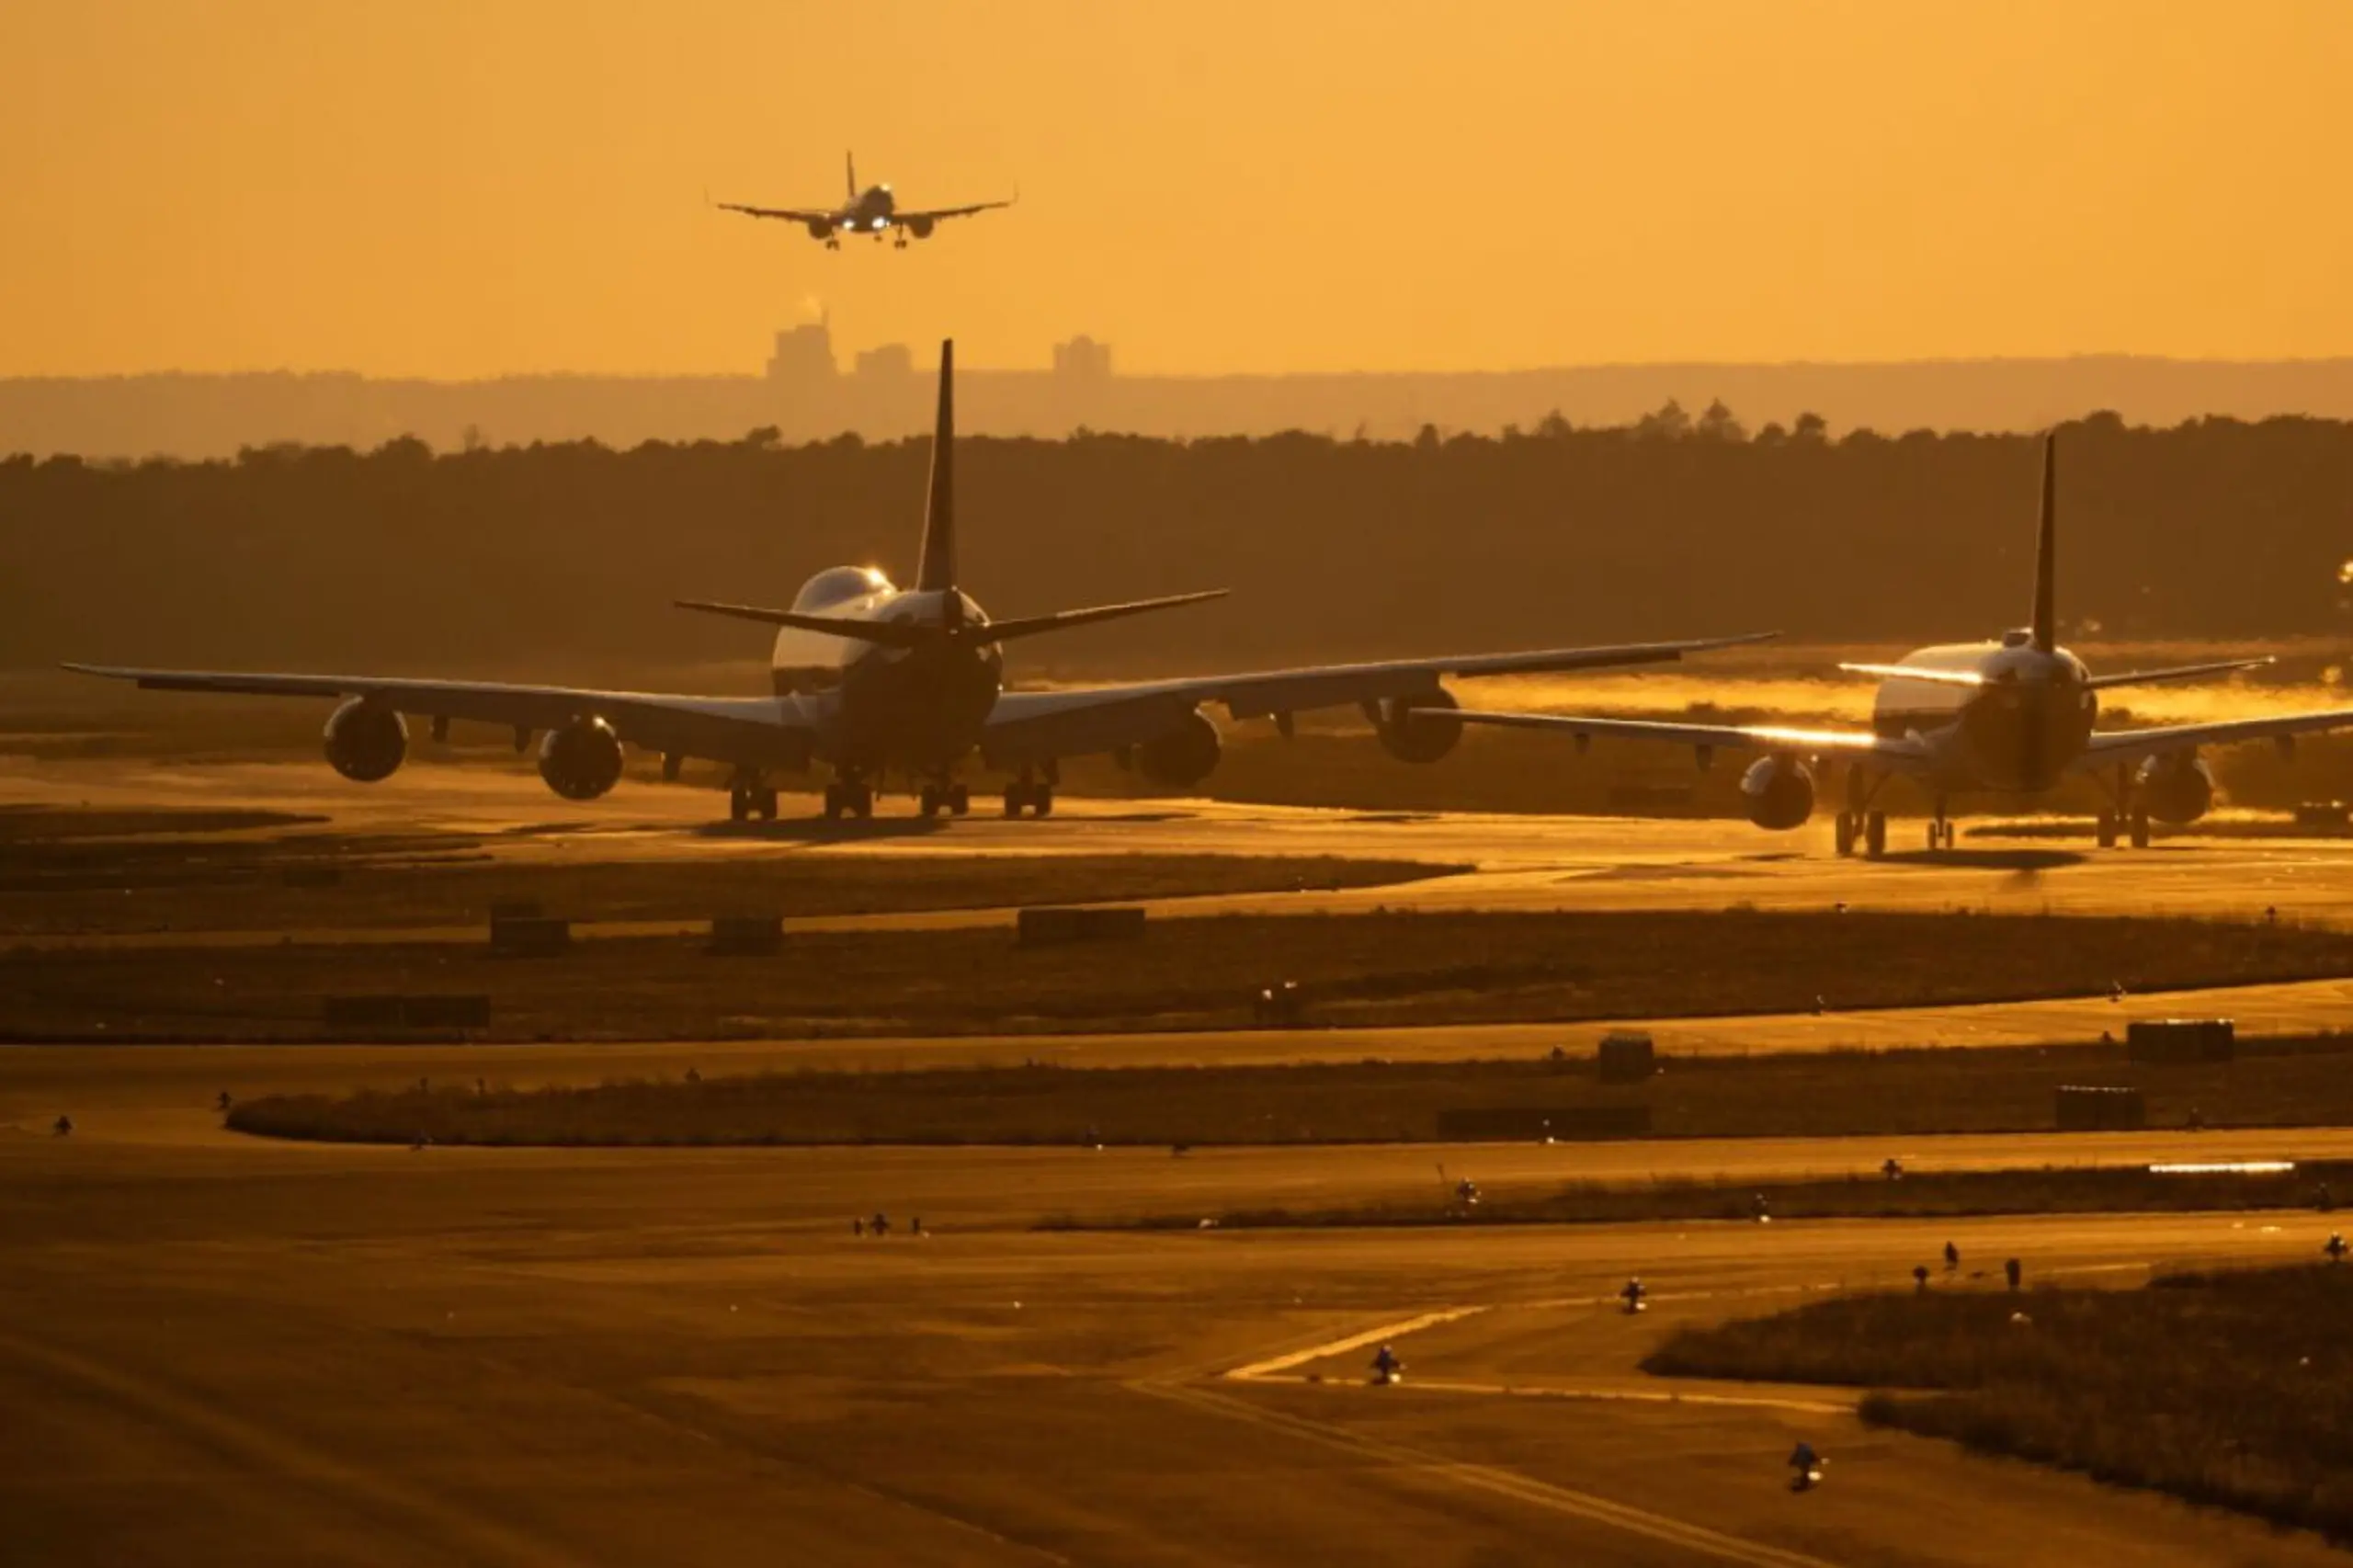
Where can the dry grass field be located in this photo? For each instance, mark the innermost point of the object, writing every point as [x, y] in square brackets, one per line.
[2233, 1388]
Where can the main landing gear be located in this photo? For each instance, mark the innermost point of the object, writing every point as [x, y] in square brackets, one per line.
[848, 795]
[1035, 796]
[1862, 830]
[2130, 820]
[943, 795]
[750, 797]
[2130, 825]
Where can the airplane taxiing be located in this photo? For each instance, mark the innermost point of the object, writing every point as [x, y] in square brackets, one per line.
[874, 211]
[870, 679]
[2012, 716]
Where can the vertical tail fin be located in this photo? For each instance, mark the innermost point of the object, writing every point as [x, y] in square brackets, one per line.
[849, 162]
[2046, 607]
[935, 566]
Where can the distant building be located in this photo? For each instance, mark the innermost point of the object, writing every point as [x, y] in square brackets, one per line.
[1082, 359]
[891, 361]
[803, 355]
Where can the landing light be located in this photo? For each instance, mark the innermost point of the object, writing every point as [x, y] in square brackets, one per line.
[2345, 572]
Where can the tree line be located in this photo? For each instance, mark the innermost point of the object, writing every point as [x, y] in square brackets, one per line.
[1679, 525]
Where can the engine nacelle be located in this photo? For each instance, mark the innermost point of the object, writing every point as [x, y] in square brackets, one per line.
[1417, 729]
[819, 229]
[366, 740]
[2177, 789]
[1778, 792]
[1180, 757]
[919, 227]
[581, 760]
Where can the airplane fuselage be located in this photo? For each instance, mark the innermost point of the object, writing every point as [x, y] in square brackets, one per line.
[2016, 724]
[875, 707]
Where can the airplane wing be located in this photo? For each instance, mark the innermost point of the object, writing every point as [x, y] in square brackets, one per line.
[755, 731]
[935, 213]
[1894, 751]
[1031, 726]
[789, 214]
[2112, 747]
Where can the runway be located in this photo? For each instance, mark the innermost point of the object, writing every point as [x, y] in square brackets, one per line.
[221, 1350]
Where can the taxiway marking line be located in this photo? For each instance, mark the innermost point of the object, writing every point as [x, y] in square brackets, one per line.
[1589, 1392]
[1500, 1482]
[1352, 1342]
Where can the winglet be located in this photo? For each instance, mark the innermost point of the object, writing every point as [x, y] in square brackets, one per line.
[936, 566]
[2046, 611]
[849, 163]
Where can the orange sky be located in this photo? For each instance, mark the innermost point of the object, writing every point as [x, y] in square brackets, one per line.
[463, 187]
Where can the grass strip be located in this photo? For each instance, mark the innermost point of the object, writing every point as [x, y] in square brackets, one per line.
[2233, 1389]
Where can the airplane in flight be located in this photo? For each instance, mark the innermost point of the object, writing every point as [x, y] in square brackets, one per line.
[2012, 716]
[872, 679]
[874, 211]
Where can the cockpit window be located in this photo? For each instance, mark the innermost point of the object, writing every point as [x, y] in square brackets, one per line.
[836, 583]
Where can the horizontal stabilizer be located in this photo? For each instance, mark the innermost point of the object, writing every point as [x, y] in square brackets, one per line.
[1032, 626]
[1915, 672]
[2176, 672]
[889, 633]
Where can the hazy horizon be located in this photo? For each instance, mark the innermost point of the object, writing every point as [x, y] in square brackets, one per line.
[457, 192]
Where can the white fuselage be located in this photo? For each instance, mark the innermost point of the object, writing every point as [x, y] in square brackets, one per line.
[2017, 725]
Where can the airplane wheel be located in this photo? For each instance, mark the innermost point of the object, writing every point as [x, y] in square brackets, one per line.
[2140, 830]
[1043, 801]
[960, 799]
[2106, 830]
[861, 803]
[739, 805]
[927, 802]
[764, 803]
[834, 802]
[1017, 796]
[1875, 834]
[1846, 832]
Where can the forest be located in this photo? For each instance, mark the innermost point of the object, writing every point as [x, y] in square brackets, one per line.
[524, 557]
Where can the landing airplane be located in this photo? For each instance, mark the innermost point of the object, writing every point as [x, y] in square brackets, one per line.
[2012, 716]
[874, 211]
[870, 679]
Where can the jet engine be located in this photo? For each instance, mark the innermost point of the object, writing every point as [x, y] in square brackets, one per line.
[1778, 793]
[366, 740]
[2177, 789]
[1416, 729]
[1180, 757]
[581, 760]
[919, 227]
[820, 229]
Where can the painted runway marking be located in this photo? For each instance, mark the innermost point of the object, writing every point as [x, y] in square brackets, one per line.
[1499, 1483]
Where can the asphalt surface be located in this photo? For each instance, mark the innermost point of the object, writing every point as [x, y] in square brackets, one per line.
[222, 1350]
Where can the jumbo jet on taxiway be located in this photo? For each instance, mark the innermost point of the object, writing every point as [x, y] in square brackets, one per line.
[872, 679]
[2012, 716]
[874, 211]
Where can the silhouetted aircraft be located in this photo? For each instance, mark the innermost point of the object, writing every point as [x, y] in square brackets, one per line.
[870, 679]
[2011, 716]
[874, 211]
